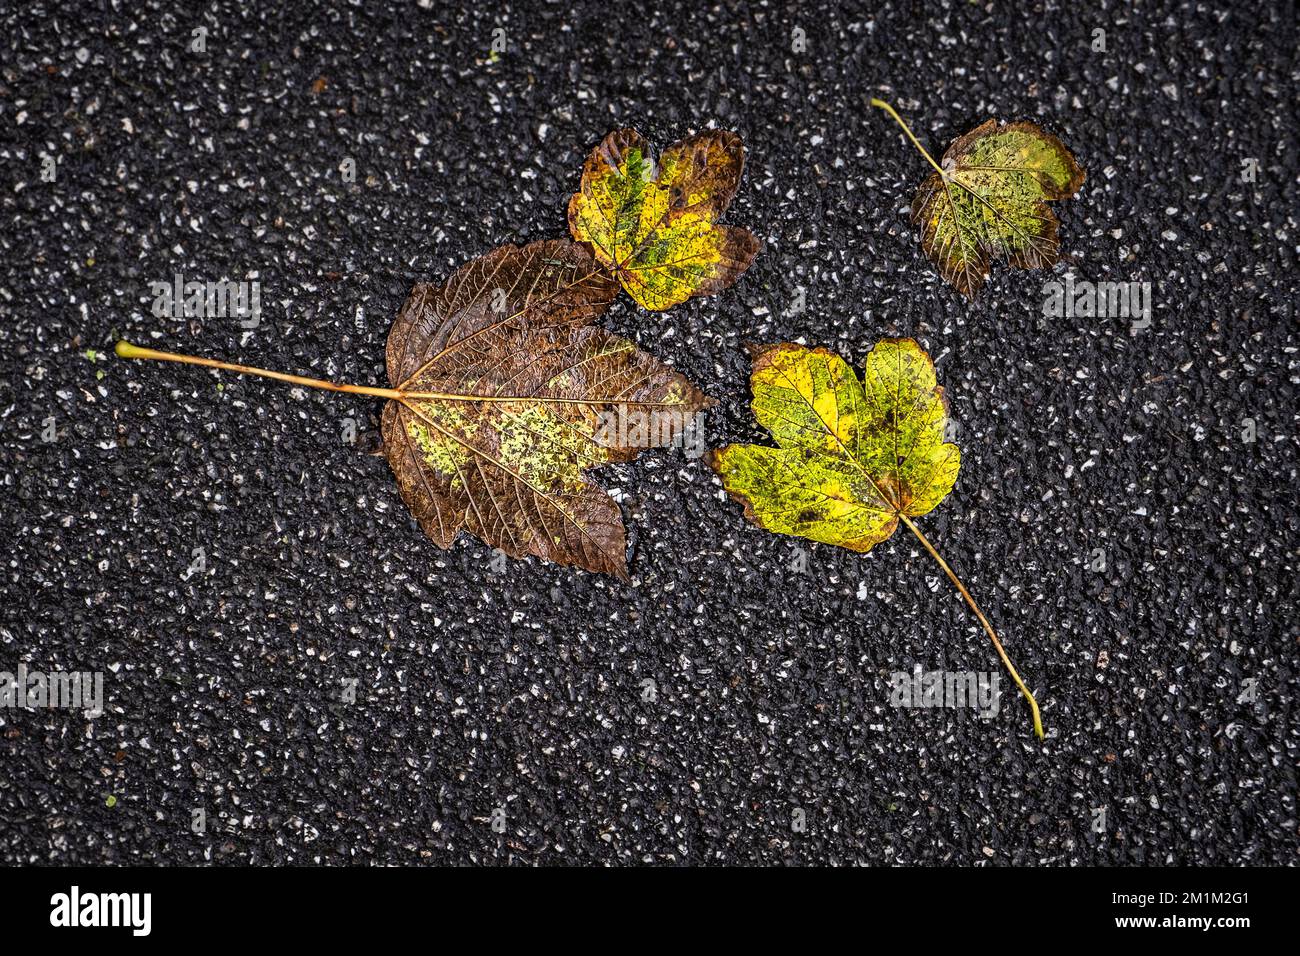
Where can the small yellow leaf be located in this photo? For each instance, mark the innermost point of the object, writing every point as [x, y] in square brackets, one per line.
[656, 229]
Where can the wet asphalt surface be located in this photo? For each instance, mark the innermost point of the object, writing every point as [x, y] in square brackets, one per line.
[518, 695]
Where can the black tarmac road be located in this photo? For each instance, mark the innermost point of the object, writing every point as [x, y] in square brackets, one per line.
[292, 669]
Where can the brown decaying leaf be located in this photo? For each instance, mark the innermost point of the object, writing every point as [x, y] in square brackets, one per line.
[504, 395]
[507, 391]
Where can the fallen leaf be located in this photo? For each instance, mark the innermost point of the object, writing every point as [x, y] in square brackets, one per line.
[656, 227]
[853, 457]
[504, 394]
[507, 463]
[988, 199]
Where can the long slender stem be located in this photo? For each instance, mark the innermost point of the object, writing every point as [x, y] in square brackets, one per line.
[127, 350]
[1033, 704]
[908, 130]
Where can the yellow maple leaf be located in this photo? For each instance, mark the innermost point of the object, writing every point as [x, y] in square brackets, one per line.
[853, 457]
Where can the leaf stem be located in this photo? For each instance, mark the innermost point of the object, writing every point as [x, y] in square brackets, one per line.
[1038, 722]
[126, 350]
[915, 142]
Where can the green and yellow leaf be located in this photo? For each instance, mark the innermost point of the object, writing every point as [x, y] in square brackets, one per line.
[656, 227]
[988, 199]
[851, 454]
[854, 457]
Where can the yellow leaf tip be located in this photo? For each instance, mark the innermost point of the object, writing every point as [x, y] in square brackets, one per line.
[126, 350]
[713, 458]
